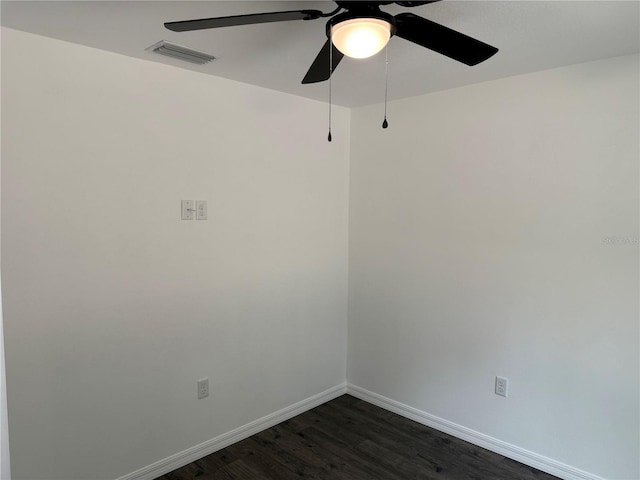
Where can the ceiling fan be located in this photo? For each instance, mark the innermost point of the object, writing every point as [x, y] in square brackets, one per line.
[359, 29]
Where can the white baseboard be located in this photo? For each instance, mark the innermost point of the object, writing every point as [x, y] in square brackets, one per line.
[521, 455]
[192, 454]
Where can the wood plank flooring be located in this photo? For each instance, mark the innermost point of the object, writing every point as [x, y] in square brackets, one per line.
[348, 439]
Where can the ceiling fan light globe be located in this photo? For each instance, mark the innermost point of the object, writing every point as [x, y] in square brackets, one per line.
[361, 37]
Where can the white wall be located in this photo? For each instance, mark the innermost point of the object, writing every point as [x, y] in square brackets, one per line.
[5, 460]
[477, 226]
[113, 305]
[476, 249]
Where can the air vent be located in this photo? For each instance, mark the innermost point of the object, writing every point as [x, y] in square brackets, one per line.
[181, 53]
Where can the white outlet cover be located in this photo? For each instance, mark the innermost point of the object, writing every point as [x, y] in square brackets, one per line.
[502, 386]
[201, 209]
[203, 388]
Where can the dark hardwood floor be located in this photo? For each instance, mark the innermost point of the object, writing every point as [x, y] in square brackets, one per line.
[348, 439]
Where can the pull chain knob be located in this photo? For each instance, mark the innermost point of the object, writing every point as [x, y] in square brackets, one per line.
[385, 124]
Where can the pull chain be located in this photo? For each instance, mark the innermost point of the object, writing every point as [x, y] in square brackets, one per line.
[330, 75]
[385, 124]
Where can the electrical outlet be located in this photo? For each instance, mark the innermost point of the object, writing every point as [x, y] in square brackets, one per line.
[201, 209]
[502, 386]
[203, 388]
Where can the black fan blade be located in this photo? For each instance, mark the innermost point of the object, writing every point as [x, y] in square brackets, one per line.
[443, 40]
[319, 71]
[188, 25]
[416, 4]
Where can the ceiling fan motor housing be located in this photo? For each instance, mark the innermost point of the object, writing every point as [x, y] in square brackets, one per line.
[363, 11]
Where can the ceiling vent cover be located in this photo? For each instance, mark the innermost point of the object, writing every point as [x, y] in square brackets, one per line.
[182, 53]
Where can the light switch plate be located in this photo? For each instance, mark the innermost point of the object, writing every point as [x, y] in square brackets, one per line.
[187, 210]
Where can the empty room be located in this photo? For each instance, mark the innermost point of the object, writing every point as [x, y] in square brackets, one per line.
[344, 240]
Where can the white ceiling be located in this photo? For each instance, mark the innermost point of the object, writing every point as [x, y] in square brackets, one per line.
[531, 36]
